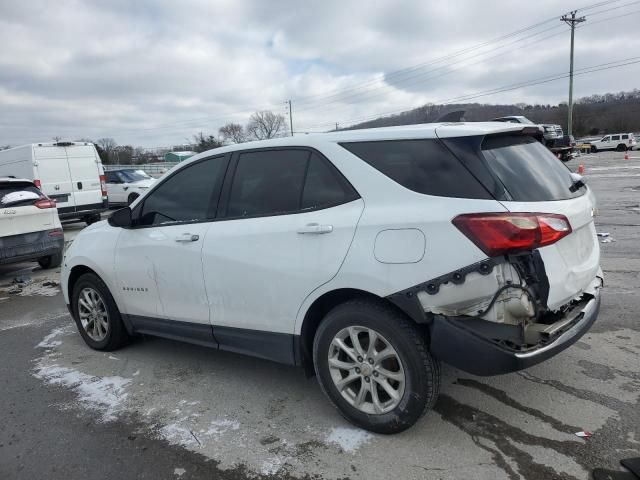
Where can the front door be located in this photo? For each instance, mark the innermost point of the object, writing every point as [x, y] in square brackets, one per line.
[162, 252]
[288, 222]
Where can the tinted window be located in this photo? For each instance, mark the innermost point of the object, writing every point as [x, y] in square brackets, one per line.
[324, 185]
[111, 177]
[528, 170]
[424, 166]
[615, 137]
[185, 196]
[625, 137]
[267, 182]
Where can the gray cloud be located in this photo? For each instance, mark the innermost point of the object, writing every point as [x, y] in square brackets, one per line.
[155, 72]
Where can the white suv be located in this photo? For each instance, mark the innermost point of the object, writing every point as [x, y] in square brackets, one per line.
[29, 225]
[618, 141]
[365, 256]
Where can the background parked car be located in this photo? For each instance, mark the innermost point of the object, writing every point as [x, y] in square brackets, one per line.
[616, 141]
[29, 225]
[125, 185]
[70, 173]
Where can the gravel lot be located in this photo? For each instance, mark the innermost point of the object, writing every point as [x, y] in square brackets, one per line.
[159, 409]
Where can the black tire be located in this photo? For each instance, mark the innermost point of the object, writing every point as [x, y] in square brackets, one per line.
[621, 148]
[594, 149]
[52, 261]
[117, 335]
[132, 198]
[89, 219]
[422, 371]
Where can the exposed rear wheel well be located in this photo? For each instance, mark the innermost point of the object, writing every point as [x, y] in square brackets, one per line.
[319, 309]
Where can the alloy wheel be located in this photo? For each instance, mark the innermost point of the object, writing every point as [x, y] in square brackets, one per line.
[93, 314]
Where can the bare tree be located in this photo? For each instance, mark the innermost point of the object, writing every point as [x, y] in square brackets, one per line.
[233, 132]
[265, 124]
[108, 147]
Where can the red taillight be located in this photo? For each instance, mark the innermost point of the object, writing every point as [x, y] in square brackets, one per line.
[45, 203]
[37, 183]
[502, 233]
[103, 185]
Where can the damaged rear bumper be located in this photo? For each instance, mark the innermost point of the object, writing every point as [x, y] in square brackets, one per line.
[467, 343]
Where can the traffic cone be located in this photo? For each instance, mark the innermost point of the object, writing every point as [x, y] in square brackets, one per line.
[580, 169]
[626, 155]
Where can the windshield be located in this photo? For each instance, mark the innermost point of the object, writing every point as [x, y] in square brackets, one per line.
[528, 170]
[14, 194]
[134, 175]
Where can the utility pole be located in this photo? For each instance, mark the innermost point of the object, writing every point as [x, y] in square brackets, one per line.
[571, 21]
[336, 126]
[290, 117]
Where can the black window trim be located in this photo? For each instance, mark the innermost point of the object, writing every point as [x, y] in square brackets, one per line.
[231, 172]
[214, 201]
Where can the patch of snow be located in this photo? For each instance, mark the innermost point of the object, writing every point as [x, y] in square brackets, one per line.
[271, 466]
[177, 434]
[178, 472]
[136, 373]
[49, 342]
[38, 289]
[111, 357]
[103, 394]
[349, 439]
[218, 427]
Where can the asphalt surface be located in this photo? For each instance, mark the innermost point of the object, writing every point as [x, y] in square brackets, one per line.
[160, 409]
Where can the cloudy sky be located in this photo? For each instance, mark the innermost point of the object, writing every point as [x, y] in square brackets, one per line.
[153, 73]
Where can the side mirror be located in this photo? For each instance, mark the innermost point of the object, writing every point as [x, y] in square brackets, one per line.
[121, 218]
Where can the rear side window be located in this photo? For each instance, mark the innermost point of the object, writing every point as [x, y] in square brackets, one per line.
[16, 194]
[424, 166]
[615, 137]
[324, 185]
[625, 137]
[273, 182]
[527, 169]
[186, 196]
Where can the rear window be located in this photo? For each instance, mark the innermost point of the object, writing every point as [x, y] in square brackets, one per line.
[424, 166]
[527, 169]
[16, 194]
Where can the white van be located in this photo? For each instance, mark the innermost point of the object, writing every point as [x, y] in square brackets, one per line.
[70, 173]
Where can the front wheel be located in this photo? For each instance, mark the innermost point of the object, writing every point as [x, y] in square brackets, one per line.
[96, 314]
[594, 149]
[373, 364]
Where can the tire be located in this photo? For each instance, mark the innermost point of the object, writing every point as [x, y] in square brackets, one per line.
[594, 149]
[52, 261]
[621, 148]
[132, 198]
[420, 371]
[89, 219]
[115, 333]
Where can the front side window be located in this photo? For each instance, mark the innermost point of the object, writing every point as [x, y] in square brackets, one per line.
[186, 196]
[273, 182]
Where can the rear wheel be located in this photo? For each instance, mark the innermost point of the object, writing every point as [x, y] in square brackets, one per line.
[621, 148]
[96, 314]
[89, 219]
[51, 261]
[594, 149]
[373, 364]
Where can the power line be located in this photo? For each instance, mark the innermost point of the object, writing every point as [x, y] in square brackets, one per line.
[538, 81]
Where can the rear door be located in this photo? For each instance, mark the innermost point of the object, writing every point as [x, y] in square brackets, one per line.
[288, 218]
[52, 169]
[535, 181]
[85, 169]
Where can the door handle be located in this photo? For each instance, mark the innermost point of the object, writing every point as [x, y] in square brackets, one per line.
[315, 228]
[187, 237]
